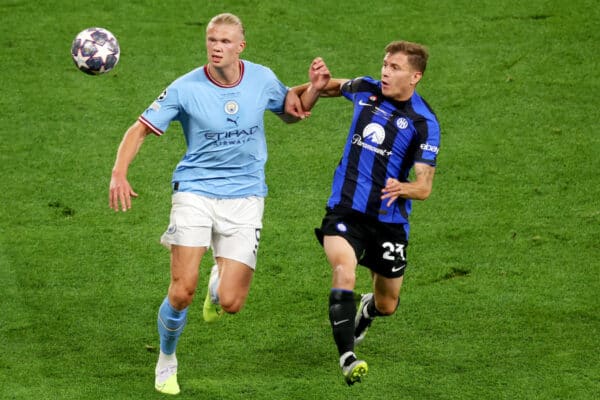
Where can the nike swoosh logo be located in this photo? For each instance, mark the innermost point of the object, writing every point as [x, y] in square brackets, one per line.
[336, 323]
[377, 109]
[396, 269]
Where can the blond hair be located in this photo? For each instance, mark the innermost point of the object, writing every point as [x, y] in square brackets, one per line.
[227, 19]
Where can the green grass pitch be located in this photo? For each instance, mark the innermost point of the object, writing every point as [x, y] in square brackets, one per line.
[501, 297]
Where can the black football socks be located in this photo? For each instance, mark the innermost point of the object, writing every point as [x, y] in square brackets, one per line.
[342, 310]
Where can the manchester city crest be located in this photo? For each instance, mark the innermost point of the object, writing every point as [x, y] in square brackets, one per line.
[231, 107]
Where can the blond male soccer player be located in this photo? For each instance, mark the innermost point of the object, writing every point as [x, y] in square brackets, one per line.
[219, 184]
[392, 131]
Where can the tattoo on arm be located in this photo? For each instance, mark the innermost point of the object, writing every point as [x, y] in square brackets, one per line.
[424, 172]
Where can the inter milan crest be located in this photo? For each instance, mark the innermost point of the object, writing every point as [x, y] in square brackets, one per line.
[401, 123]
[341, 227]
[231, 107]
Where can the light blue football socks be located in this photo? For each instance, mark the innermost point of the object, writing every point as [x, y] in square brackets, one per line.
[170, 325]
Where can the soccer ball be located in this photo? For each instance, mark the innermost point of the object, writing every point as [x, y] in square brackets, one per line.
[95, 51]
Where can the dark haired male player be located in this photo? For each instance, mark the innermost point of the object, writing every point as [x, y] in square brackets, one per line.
[393, 130]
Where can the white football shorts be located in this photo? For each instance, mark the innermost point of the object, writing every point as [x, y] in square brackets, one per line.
[231, 227]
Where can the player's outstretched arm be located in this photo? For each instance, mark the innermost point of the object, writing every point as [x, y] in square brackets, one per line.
[120, 191]
[301, 99]
[293, 111]
[332, 89]
[319, 78]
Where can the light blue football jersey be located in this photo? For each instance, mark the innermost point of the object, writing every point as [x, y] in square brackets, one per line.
[223, 128]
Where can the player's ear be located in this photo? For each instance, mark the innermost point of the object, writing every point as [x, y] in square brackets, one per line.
[242, 46]
[416, 77]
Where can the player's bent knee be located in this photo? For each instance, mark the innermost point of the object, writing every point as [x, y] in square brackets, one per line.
[232, 308]
[231, 305]
[181, 298]
[344, 277]
[387, 308]
[387, 311]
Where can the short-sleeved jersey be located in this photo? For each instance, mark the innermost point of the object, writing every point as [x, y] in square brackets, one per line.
[386, 138]
[223, 127]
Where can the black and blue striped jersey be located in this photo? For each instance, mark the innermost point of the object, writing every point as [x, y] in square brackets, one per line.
[386, 138]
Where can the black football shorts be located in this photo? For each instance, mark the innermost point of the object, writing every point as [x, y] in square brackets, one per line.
[379, 246]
